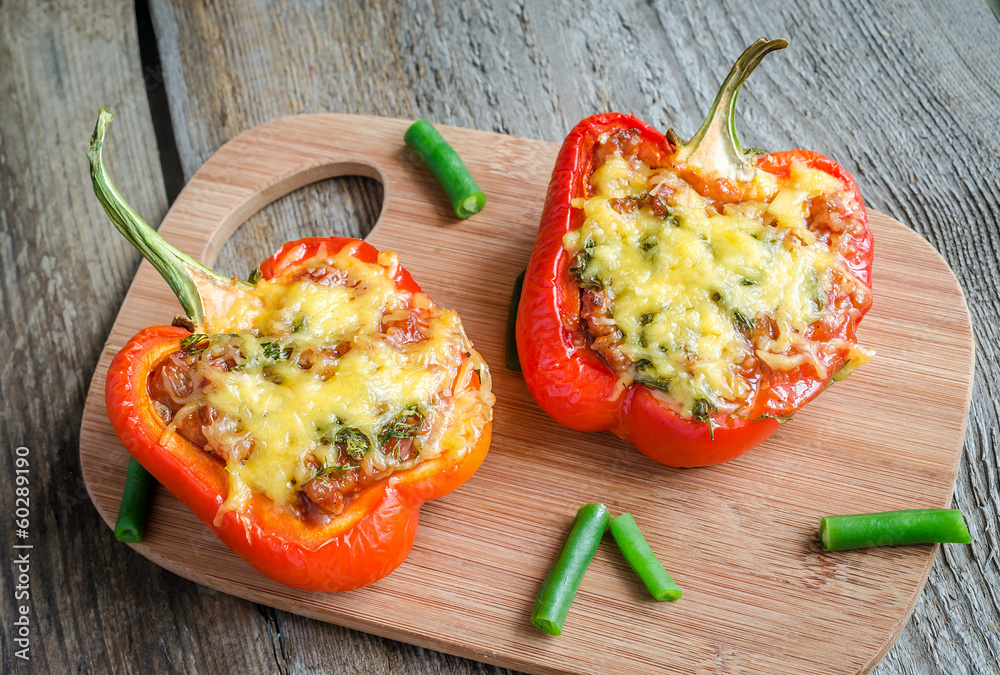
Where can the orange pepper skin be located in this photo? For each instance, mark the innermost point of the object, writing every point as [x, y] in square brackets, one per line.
[370, 539]
[577, 388]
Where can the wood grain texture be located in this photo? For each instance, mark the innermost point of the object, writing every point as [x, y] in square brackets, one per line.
[750, 565]
[60, 278]
[63, 273]
[902, 93]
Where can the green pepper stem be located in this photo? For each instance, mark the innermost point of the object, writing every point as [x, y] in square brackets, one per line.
[188, 279]
[715, 148]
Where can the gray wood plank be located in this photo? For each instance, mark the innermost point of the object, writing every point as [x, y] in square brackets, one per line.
[63, 273]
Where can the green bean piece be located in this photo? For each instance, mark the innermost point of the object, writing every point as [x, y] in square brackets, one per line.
[447, 167]
[893, 528]
[640, 556]
[563, 580]
[135, 501]
[511, 359]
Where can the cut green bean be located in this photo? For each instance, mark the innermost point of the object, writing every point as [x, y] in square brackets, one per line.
[640, 556]
[135, 501]
[893, 528]
[563, 580]
[447, 167]
[511, 359]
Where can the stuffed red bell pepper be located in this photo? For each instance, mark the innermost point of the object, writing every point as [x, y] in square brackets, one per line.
[689, 297]
[310, 412]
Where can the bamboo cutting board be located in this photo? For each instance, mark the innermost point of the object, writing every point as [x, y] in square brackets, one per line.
[760, 596]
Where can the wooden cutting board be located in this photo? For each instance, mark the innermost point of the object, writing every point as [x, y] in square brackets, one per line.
[760, 596]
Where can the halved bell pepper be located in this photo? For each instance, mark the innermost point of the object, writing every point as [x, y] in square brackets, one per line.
[573, 384]
[374, 532]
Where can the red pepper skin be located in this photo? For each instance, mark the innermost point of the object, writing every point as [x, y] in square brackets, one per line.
[575, 386]
[366, 542]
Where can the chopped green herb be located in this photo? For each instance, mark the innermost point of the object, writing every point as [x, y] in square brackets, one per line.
[272, 350]
[763, 416]
[299, 324]
[327, 469]
[350, 440]
[353, 441]
[703, 410]
[648, 243]
[399, 459]
[194, 343]
[660, 209]
[663, 384]
[741, 322]
[592, 282]
[646, 375]
[254, 275]
[404, 425]
[578, 269]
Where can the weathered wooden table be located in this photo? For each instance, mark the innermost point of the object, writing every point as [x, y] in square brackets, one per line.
[905, 96]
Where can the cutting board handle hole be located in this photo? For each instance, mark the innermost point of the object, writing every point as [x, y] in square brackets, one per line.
[345, 206]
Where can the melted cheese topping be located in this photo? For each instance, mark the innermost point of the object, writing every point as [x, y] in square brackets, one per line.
[282, 415]
[687, 288]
